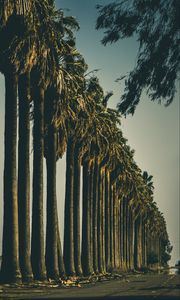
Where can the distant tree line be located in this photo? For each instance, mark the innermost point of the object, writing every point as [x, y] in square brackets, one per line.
[46, 84]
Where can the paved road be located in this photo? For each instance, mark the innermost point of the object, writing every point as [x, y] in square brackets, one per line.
[164, 287]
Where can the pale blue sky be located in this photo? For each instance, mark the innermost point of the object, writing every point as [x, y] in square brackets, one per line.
[153, 131]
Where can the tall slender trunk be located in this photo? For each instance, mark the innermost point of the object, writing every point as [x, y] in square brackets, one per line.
[148, 244]
[127, 236]
[51, 226]
[125, 232]
[131, 238]
[144, 261]
[68, 252]
[115, 225]
[135, 245]
[111, 229]
[122, 234]
[99, 223]
[91, 182]
[76, 208]
[10, 270]
[86, 238]
[119, 234]
[95, 215]
[103, 221]
[138, 242]
[116, 233]
[24, 177]
[59, 251]
[107, 218]
[37, 244]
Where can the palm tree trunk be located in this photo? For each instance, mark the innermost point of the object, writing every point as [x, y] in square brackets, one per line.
[143, 244]
[99, 223]
[86, 237]
[131, 238]
[111, 228]
[59, 252]
[51, 226]
[95, 215]
[24, 178]
[103, 221]
[125, 231]
[115, 226]
[122, 234]
[76, 208]
[135, 245]
[138, 242]
[91, 182]
[10, 270]
[119, 234]
[107, 218]
[37, 244]
[127, 235]
[68, 252]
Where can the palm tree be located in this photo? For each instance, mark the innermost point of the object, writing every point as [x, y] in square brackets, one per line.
[41, 75]
[75, 68]
[48, 69]
[16, 55]
[148, 181]
[61, 88]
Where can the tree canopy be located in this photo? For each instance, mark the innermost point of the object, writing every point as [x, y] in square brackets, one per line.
[155, 25]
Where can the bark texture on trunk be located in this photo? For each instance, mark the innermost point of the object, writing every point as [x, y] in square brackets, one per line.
[131, 239]
[10, 269]
[60, 255]
[99, 223]
[24, 177]
[119, 233]
[115, 208]
[107, 218]
[144, 252]
[91, 182]
[127, 235]
[51, 226]
[103, 222]
[95, 215]
[37, 245]
[123, 248]
[76, 208]
[86, 235]
[138, 243]
[68, 252]
[111, 228]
